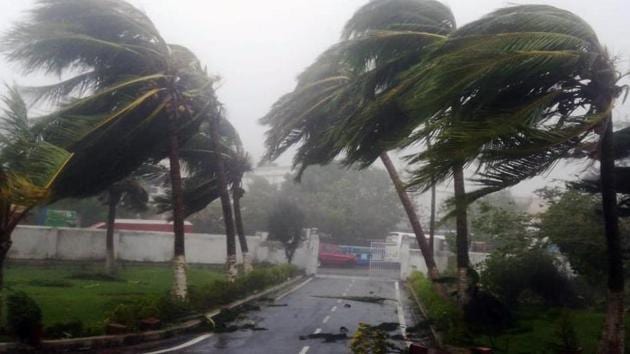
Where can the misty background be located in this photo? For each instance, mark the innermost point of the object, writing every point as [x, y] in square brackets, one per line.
[259, 47]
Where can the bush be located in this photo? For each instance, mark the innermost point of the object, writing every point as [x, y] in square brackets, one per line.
[221, 292]
[532, 273]
[443, 314]
[164, 308]
[217, 293]
[24, 317]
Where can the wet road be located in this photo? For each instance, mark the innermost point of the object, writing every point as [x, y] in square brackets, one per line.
[284, 325]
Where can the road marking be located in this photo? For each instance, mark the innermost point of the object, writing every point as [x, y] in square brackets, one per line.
[304, 350]
[326, 319]
[333, 309]
[184, 345]
[401, 314]
[339, 301]
[318, 331]
[293, 289]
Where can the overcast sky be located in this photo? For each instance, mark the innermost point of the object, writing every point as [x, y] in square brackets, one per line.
[258, 47]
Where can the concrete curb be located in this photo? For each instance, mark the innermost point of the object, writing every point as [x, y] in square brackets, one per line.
[436, 335]
[108, 341]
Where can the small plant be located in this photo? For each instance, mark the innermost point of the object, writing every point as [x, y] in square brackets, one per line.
[369, 340]
[24, 317]
[567, 340]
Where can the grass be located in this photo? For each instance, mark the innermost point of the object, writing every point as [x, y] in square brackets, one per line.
[443, 314]
[536, 327]
[67, 293]
[534, 330]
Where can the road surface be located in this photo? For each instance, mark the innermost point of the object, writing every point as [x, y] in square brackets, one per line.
[312, 319]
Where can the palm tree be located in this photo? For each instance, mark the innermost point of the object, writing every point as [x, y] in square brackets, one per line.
[130, 194]
[203, 184]
[239, 164]
[516, 91]
[140, 97]
[382, 39]
[28, 169]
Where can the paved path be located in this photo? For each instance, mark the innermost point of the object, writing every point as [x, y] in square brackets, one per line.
[284, 325]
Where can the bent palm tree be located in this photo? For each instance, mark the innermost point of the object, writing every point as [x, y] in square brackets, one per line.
[203, 184]
[28, 169]
[382, 39]
[516, 91]
[140, 97]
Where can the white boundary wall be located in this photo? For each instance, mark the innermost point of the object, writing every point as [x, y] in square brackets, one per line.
[74, 244]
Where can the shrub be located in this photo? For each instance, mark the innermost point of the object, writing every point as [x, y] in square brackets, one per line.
[534, 272]
[443, 314]
[24, 317]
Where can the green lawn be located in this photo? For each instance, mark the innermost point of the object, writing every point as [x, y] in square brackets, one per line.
[63, 298]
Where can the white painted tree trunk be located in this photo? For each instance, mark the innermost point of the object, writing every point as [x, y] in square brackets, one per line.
[232, 270]
[180, 279]
[247, 263]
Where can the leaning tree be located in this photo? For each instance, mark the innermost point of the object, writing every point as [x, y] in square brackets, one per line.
[29, 167]
[382, 39]
[130, 97]
[203, 185]
[515, 91]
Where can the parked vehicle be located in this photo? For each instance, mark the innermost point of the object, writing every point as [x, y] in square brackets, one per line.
[331, 255]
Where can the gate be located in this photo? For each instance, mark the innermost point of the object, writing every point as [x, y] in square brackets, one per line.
[384, 260]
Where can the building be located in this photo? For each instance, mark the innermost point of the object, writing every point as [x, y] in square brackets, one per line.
[272, 173]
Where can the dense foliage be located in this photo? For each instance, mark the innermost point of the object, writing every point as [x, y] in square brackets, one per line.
[348, 205]
[286, 224]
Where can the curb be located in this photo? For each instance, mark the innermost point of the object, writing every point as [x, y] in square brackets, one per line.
[108, 341]
[436, 336]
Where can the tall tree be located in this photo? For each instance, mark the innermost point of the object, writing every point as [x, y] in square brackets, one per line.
[515, 91]
[214, 149]
[139, 97]
[286, 224]
[239, 164]
[382, 39]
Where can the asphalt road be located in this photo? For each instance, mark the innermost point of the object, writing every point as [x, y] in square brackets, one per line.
[315, 309]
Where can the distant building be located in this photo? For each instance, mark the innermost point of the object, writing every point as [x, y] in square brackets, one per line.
[272, 173]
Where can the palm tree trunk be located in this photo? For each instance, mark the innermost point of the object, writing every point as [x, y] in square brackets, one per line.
[237, 193]
[613, 330]
[463, 262]
[232, 270]
[180, 281]
[432, 222]
[113, 199]
[412, 216]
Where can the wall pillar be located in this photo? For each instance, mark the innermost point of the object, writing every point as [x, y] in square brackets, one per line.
[403, 255]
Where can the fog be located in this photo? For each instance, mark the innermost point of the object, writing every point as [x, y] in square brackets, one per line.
[258, 47]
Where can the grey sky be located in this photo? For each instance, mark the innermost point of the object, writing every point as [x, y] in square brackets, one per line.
[258, 47]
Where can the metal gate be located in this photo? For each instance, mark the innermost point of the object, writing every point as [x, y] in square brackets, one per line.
[384, 260]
